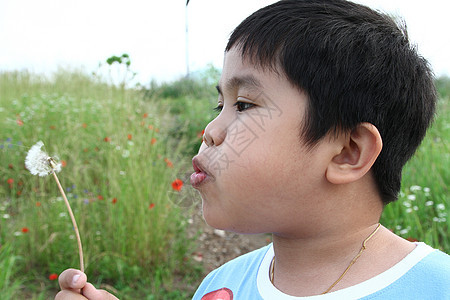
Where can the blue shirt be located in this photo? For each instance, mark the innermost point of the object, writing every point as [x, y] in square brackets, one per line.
[422, 274]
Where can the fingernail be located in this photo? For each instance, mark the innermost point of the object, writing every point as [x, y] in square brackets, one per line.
[75, 278]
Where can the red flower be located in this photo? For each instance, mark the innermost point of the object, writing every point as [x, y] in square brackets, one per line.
[100, 197]
[63, 163]
[130, 137]
[150, 127]
[10, 181]
[153, 141]
[107, 139]
[84, 125]
[151, 206]
[53, 276]
[200, 134]
[177, 184]
[114, 201]
[11, 166]
[19, 122]
[38, 203]
[168, 162]
[25, 230]
[145, 115]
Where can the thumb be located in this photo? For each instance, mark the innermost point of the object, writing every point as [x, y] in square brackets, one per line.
[72, 279]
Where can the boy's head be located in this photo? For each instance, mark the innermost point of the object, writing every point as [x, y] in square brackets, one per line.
[355, 65]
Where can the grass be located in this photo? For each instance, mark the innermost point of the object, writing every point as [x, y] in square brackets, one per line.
[122, 149]
[118, 171]
[421, 213]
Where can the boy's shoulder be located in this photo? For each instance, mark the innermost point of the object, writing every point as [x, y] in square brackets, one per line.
[423, 274]
[234, 276]
[435, 266]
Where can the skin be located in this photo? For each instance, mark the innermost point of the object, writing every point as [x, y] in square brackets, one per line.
[319, 203]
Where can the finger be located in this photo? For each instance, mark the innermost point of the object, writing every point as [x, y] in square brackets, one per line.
[72, 279]
[69, 295]
[90, 292]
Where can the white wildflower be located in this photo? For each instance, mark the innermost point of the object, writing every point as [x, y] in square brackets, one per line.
[406, 204]
[415, 188]
[440, 206]
[411, 197]
[125, 153]
[429, 203]
[39, 163]
[426, 189]
[6, 216]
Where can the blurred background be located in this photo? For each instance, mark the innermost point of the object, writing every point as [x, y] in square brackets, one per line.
[41, 36]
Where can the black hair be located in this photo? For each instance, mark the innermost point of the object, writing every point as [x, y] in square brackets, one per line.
[355, 65]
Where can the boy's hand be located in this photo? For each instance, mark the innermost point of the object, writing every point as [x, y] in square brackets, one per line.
[72, 281]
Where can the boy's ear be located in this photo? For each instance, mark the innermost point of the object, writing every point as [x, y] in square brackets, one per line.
[357, 154]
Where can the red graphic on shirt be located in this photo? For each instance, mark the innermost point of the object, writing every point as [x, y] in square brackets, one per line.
[220, 294]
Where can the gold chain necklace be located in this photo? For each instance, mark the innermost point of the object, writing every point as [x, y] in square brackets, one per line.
[363, 247]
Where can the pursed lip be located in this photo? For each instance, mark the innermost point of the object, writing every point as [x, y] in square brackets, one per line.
[199, 170]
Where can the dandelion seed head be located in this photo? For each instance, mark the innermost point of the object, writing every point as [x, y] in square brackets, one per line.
[40, 163]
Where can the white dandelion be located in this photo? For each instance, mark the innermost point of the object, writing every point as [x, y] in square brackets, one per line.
[40, 163]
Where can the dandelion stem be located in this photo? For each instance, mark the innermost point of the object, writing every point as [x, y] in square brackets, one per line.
[77, 233]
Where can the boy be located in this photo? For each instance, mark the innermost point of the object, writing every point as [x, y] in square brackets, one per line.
[321, 104]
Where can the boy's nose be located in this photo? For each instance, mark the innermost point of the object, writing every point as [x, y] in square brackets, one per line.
[215, 133]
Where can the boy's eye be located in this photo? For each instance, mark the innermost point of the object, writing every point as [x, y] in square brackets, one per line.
[218, 108]
[241, 106]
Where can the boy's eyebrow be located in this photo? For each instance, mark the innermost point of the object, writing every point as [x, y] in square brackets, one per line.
[247, 81]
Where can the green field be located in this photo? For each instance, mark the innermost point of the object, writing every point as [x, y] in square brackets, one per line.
[122, 149]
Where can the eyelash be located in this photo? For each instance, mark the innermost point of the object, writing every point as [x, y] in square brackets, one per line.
[239, 106]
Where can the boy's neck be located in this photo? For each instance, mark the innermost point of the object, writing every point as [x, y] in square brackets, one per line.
[309, 266]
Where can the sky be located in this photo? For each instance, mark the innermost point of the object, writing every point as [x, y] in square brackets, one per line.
[44, 35]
